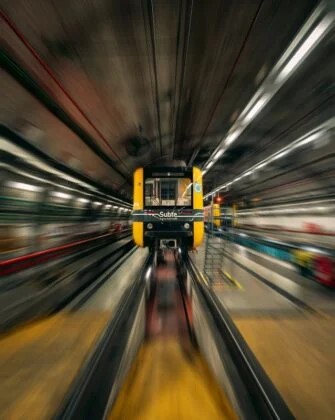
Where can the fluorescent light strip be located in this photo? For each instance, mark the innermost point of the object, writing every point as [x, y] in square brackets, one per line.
[314, 30]
[308, 139]
[60, 194]
[301, 141]
[10, 147]
[288, 209]
[295, 205]
[232, 136]
[218, 154]
[280, 154]
[23, 186]
[47, 184]
[256, 109]
[312, 40]
[14, 149]
[324, 202]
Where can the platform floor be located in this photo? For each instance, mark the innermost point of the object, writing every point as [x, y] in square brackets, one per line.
[169, 381]
[295, 348]
[39, 361]
[298, 355]
[248, 294]
[281, 274]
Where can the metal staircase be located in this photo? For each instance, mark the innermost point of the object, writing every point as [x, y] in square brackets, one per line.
[214, 255]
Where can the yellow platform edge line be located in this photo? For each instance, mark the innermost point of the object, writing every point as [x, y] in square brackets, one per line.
[234, 281]
[204, 278]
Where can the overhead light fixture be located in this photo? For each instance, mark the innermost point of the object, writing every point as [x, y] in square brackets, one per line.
[83, 200]
[313, 135]
[23, 186]
[60, 194]
[209, 165]
[260, 165]
[309, 139]
[309, 36]
[256, 109]
[232, 137]
[311, 41]
[218, 154]
[280, 155]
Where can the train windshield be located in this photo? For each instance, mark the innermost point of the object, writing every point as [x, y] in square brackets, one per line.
[168, 192]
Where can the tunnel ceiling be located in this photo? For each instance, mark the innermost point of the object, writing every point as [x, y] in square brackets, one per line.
[152, 79]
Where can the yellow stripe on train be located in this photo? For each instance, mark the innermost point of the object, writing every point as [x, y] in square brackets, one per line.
[141, 235]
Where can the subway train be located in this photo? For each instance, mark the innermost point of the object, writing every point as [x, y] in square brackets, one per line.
[168, 207]
[41, 207]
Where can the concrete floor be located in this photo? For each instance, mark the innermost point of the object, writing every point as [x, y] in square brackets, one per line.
[298, 355]
[248, 294]
[295, 348]
[38, 362]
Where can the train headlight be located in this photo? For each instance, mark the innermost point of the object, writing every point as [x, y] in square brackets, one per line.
[186, 225]
[149, 225]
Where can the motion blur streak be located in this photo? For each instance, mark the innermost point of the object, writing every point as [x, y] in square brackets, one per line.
[51, 74]
[225, 111]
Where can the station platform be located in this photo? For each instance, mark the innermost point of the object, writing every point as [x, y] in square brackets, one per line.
[40, 361]
[255, 270]
[298, 355]
[282, 275]
[169, 378]
[292, 339]
[254, 283]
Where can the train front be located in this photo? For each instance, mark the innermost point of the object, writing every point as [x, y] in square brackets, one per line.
[168, 207]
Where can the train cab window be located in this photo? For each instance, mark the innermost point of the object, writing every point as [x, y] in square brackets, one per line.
[168, 192]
